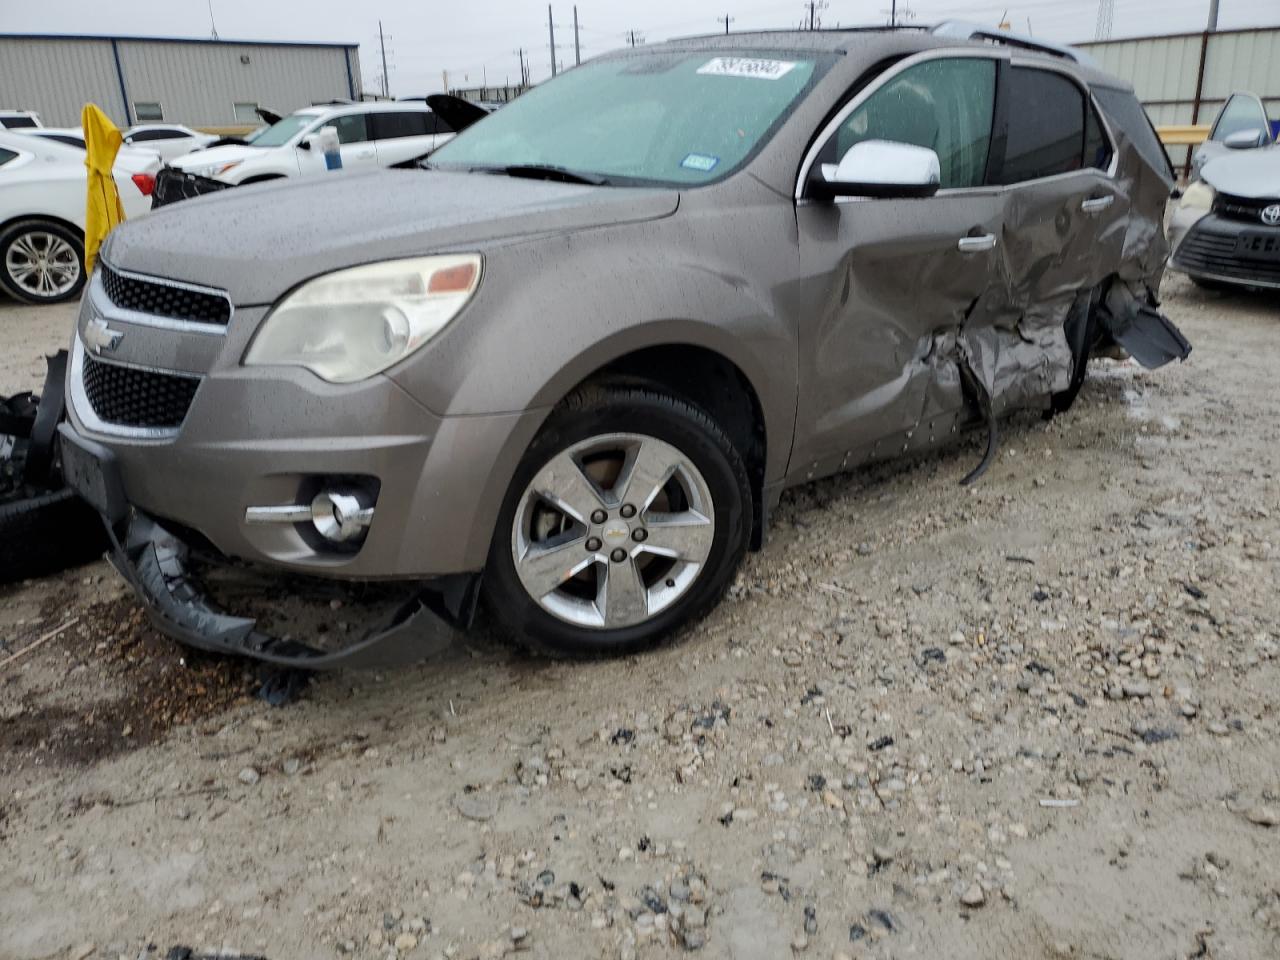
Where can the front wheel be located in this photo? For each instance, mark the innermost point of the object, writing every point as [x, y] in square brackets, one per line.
[41, 261]
[626, 519]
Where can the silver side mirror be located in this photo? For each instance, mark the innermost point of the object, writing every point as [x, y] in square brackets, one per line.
[1246, 139]
[882, 168]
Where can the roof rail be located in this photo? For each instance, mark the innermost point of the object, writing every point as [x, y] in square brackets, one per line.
[962, 30]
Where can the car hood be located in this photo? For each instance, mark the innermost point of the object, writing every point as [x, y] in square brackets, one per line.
[1254, 174]
[256, 242]
[214, 155]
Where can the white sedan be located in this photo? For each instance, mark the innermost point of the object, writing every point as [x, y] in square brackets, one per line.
[42, 213]
[170, 140]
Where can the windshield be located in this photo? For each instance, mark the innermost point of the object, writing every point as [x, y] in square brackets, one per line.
[278, 134]
[665, 118]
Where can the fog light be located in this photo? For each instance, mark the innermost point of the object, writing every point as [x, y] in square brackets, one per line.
[340, 517]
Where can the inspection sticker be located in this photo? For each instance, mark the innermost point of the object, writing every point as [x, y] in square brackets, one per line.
[699, 161]
[747, 67]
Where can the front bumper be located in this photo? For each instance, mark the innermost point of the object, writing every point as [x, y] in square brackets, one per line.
[1227, 251]
[154, 561]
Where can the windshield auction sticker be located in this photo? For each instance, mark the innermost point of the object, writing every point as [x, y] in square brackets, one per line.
[747, 67]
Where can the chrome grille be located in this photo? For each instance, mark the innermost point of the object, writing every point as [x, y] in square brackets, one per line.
[131, 397]
[163, 299]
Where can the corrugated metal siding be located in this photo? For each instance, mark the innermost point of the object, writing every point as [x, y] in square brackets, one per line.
[1243, 61]
[1157, 68]
[1165, 69]
[197, 83]
[56, 78]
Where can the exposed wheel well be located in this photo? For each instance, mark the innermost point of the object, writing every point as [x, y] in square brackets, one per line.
[707, 380]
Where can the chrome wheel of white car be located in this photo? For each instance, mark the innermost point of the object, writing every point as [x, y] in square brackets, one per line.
[613, 530]
[42, 262]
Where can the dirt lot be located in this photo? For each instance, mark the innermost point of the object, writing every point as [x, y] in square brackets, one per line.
[1033, 718]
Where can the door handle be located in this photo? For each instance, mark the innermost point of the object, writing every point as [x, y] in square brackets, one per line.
[1096, 204]
[977, 244]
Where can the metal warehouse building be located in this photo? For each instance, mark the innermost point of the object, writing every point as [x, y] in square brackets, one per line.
[202, 83]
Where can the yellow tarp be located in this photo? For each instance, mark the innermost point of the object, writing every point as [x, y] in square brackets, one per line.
[103, 210]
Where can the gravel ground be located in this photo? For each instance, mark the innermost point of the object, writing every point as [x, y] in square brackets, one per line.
[1032, 718]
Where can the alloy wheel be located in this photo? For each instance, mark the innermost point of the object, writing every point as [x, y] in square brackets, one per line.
[42, 264]
[613, 530]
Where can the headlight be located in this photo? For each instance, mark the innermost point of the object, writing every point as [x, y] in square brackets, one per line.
[349, 325]
[1198, 196]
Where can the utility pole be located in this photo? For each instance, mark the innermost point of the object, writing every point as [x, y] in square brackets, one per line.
[814, 8]
[524, 71]
[551, 26]
[1213, 16]
[577, 48]
[633, 37]
[726, 20]
[386, 80]
[1106, 15]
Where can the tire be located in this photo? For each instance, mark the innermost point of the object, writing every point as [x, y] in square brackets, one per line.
[43, 534]
[23, 243]
[671, 576]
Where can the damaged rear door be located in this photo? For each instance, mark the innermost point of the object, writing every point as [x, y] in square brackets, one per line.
[888, 285]
[1065, 217]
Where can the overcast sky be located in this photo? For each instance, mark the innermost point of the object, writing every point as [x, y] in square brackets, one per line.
[478, 39]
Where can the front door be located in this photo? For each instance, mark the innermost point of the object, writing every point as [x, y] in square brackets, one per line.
[890, 284]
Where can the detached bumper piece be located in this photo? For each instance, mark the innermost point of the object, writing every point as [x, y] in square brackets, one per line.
[1147, 334]
[154, 561]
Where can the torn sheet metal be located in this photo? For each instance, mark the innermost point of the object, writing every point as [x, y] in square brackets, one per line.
[963, 308]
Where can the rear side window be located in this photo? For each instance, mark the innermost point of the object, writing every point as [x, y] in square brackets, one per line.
[142, 136]
[436, 125]
[6, 156]
[18, 123]
[1046, 126]
[945, 105]
[1128, 116]
[396, 126]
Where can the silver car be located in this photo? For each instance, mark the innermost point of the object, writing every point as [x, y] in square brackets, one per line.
[570, 367]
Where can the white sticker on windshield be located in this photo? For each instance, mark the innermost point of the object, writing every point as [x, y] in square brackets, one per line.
[747, 67]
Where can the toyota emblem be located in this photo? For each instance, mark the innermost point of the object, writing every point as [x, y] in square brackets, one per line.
[1271, 215]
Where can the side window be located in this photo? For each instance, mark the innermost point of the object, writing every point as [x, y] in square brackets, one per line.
[142, 136]
[1241, 112]
[945, 105]
[6, 156]
[395, 126]
[147, 111]
[351, 128]
[1097, 149]
[436, 124]
[1046, 126]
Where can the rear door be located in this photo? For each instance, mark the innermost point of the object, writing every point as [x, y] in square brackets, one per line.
[402, 135]
[1065, 219]
[889, 285]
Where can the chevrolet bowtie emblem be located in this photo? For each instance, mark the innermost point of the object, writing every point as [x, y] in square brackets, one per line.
[98, 336]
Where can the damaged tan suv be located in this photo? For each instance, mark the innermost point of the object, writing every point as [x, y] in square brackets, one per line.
[570, 365]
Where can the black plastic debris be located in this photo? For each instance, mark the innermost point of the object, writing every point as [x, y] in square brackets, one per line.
[186, 953]
[622, 736]
[880, 743]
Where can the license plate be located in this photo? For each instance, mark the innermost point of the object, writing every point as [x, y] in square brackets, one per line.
[90, 470]
[1259, 246]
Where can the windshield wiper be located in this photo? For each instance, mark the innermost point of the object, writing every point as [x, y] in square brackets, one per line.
[538, 171]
